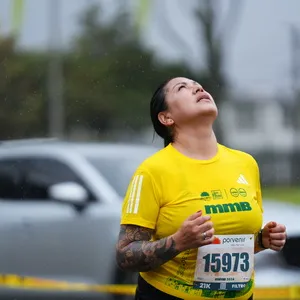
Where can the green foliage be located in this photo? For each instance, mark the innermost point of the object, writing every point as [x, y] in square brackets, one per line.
[110, 75]
[22, 79]
[282, 193]
[109, 78]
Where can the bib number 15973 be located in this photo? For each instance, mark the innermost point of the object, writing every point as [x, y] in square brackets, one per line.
[226, 262]
[227, 265]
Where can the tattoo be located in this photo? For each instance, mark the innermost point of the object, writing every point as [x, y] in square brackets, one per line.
[136, 252]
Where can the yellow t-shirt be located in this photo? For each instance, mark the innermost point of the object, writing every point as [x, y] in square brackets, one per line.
[168, 187]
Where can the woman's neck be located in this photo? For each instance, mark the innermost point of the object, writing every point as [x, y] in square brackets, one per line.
[198, 143]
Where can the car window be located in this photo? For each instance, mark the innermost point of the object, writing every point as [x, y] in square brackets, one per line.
[10, 179]
[30, 178]
[41, 173]
[117, 171]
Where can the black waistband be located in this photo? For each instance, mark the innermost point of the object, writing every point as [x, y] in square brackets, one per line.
[146, 291]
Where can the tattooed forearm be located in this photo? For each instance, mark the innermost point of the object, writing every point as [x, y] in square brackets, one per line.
[136, 252]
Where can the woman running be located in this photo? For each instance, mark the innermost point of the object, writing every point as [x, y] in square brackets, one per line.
[192, 216]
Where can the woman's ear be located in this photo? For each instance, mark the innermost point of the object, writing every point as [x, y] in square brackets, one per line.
[165, 118]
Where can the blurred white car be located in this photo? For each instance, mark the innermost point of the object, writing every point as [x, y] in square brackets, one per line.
[60, 206]
[280, 268]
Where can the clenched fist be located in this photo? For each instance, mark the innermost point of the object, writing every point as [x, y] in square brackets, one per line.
[274, 236]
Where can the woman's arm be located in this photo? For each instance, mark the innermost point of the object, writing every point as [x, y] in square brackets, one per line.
[135, 251]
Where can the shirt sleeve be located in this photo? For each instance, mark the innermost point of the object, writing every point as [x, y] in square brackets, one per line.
[258, 187]
[141, 204]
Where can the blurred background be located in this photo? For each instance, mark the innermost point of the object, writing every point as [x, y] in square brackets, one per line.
[85, 71]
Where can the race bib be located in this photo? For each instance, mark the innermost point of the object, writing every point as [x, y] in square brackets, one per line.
[227, 264]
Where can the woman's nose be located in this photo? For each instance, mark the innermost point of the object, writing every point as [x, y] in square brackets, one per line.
[197, 89]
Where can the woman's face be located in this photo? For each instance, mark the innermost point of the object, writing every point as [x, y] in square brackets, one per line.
[187, 101]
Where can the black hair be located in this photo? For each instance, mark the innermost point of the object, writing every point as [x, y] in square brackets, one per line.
[158, 104]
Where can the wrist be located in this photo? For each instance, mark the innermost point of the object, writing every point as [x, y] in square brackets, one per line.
[176, 238]
[260, 240]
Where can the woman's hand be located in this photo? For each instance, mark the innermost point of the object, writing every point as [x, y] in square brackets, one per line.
[274, 236]
[196, 231]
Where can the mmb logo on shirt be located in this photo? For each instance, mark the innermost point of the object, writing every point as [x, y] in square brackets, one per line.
[227, 207]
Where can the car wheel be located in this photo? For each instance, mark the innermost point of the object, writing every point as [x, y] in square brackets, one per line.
[291, 251]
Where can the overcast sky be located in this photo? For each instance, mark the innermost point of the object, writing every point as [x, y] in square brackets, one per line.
[258, 58]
